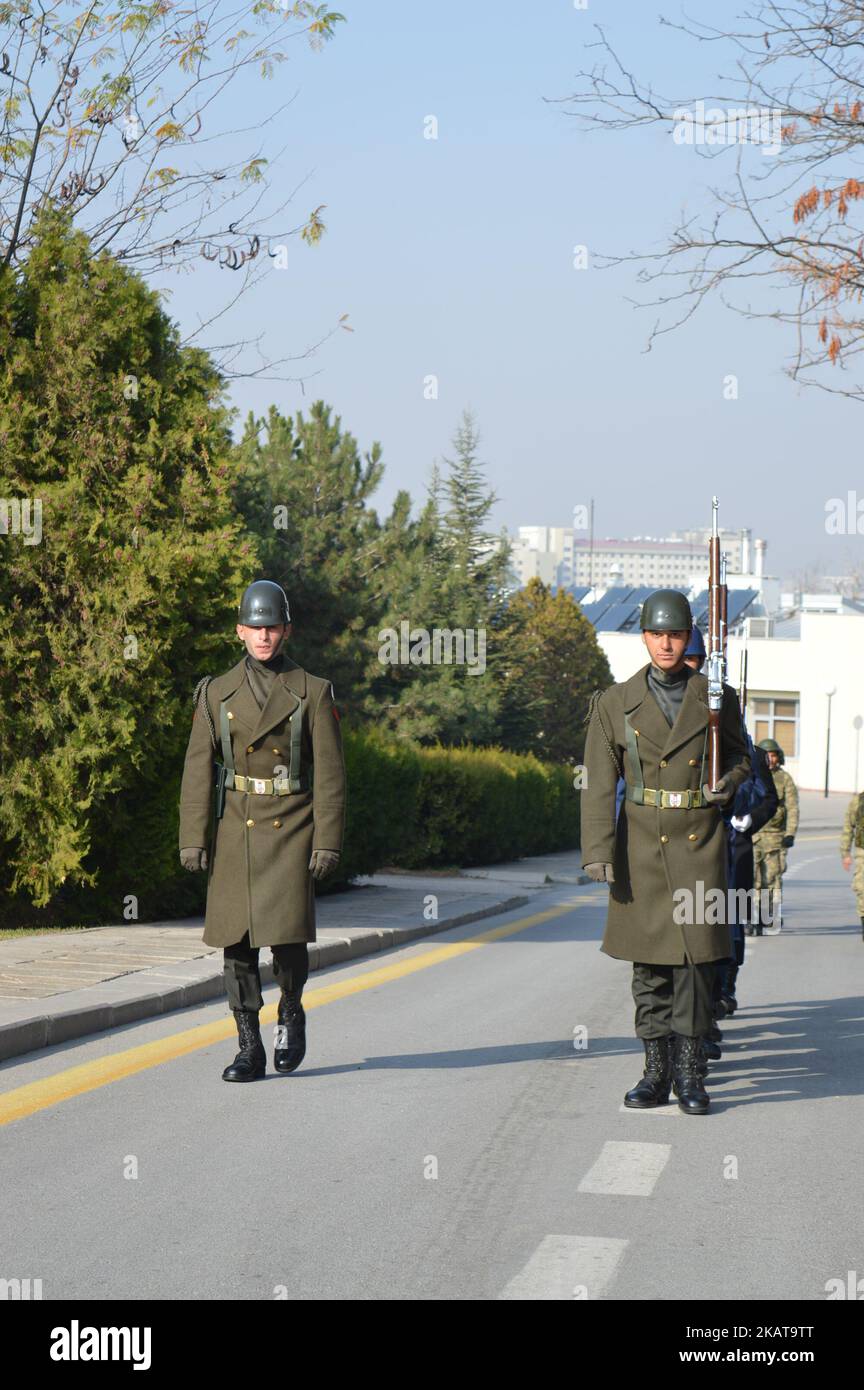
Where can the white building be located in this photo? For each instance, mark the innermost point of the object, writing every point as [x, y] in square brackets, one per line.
[790, 675]
[562, 555]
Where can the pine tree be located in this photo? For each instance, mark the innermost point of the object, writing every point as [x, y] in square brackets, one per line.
[304, 491]
[453, 578]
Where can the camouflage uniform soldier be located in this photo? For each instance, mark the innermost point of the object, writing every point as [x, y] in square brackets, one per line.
[777, 836]
[853, 833]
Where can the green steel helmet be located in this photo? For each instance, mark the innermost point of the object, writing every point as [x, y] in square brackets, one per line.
[666, 610]
[264, 604]
[770, 745]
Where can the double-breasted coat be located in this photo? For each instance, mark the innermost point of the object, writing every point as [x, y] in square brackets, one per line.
[258, 852]
[657, 851]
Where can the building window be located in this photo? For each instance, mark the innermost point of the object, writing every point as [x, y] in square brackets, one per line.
[775, 716]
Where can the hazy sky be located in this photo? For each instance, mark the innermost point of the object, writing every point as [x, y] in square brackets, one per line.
[454, 256]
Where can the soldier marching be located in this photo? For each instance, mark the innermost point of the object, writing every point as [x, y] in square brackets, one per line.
[653, 730]
[853, 834]
[262, 809]
[777, 836]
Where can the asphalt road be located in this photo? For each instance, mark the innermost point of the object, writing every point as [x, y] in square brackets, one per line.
[445, 1139]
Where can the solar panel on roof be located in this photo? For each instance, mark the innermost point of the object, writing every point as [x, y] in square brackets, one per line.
[699, 608]
[612, 619]
[738, 601]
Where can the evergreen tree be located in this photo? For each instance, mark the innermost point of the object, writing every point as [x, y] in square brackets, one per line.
[304, 491]
[453, 578]
[552, 664]
[121, 437]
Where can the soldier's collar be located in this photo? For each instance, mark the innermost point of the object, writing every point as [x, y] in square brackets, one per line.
[635, 690]
[670, 677]
[291, 675]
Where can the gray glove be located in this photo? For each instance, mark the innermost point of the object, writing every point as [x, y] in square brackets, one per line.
[323, 862]
[193, 859]
[725, 792]
[600, 873]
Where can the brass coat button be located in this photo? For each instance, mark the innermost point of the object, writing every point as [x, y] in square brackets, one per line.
[277, 824]
[276, 751]
[694, 762]
[230, 715]
[692, 837]
[664, 839]
[251, 748]
[663, 762]
[636, 732]
[250, 822]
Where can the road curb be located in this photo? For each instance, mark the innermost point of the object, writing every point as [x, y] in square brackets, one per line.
[196, 982]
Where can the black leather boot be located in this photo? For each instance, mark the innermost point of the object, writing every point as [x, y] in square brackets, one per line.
[250, 1063]
[653, 1089]
[290, 1046]
[711, 1050]
[686, 1079]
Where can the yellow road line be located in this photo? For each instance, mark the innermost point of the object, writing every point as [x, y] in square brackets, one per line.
[89, 1076]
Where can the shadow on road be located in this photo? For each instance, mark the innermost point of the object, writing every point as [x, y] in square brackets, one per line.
[793, 1051]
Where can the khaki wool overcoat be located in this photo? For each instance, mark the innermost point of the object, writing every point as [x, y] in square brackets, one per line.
[655, 851]
[258, 853]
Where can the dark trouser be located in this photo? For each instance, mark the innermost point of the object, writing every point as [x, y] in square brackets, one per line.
[673, 999]
[724, 980]
[242, 977]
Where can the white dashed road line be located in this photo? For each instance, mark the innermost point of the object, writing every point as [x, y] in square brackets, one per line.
[626, 1170]
[567, 1267]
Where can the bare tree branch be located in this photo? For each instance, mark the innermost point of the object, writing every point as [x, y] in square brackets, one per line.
[794, 221]
[113, 117]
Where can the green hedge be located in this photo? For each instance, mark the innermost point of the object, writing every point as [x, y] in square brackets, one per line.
[418, 807]
[408, 806]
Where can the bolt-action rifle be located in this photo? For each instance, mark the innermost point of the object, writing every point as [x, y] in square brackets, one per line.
[717, 608]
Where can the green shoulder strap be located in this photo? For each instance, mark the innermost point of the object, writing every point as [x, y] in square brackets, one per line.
[225, 732]
[702, 778]
[295, 779]
[630, 735]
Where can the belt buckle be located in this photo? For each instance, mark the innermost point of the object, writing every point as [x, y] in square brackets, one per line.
[675, 798]
[258, 784]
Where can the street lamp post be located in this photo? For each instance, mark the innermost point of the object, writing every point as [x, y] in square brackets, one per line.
[829, 693]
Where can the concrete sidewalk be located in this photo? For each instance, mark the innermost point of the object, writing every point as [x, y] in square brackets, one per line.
[59, 986]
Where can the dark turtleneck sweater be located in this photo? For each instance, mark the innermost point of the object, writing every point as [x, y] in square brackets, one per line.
[668, 689]
[262, 674]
